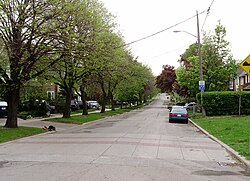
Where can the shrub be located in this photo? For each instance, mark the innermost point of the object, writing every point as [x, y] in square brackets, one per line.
[225, 103]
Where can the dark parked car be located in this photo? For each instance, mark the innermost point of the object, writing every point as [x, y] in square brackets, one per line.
[3, 108]
[178, 113]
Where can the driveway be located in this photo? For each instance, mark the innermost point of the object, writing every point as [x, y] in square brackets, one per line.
[136, 146]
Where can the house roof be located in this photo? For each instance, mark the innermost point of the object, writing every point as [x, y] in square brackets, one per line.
[241, 72]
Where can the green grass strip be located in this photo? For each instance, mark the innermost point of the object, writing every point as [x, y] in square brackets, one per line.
[80, 119]
[8, 134]
[234, 131]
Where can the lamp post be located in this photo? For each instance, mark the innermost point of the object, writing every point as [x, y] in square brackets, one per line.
[201, 82]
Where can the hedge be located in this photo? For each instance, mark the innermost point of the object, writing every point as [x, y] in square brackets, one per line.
[225, 103]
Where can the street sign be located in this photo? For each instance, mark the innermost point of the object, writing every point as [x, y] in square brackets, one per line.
[201, 82]
[202, 85]
[245, 65]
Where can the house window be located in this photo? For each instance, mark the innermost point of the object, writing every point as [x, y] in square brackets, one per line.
[51, 95]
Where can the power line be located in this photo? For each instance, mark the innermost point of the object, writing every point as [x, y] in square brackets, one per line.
[164, 53]
[208, 12]
[146, 37]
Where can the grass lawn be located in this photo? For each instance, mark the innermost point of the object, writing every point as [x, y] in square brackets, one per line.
[234, 131]
[80, 119]
[8, 134]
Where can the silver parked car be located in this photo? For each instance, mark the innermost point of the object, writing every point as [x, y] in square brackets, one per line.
[93, 105]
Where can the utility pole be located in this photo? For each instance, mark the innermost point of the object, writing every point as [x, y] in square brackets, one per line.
[201, 82]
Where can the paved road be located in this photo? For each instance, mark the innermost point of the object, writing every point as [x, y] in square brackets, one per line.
[137, 146]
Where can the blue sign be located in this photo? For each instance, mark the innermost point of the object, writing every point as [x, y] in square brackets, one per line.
[202, 87]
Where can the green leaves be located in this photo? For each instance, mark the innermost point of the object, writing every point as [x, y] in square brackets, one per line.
[218, 65]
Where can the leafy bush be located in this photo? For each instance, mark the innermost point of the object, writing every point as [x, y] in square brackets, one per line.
[25, 115]
[225, 103]
[33, 108]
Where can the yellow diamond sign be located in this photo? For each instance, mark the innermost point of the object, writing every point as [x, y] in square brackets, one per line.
[245, 65]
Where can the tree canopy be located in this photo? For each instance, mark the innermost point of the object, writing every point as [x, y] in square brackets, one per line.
[217, 63]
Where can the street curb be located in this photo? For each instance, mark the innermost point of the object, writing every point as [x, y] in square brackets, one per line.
[234, 153]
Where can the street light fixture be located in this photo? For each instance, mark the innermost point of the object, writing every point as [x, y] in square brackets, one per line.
[201, 82]
[178, 31]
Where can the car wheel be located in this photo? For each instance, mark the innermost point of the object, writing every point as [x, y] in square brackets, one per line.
[170, 120]
[186, 121]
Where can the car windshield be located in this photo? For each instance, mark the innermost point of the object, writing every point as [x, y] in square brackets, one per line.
[3, 103]
[178, 109]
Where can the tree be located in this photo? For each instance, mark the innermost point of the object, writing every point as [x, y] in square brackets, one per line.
[166, 79]
[138, 86]
[218, 64]
[219, 67]
[85, 21]
[28, 31]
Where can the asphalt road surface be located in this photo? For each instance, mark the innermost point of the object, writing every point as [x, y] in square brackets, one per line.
[136, 146]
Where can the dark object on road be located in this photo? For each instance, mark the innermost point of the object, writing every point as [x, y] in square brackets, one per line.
[50, 128]
[178, 113]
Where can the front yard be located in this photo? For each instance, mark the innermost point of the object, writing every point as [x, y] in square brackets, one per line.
[233, 130]
[8, 134]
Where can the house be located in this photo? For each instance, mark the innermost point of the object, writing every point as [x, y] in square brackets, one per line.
[241, 82]
[52, 90]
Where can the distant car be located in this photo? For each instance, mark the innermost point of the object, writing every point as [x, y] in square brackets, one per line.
[80, 103]
[170, 105]
[178, 113]
[93, 105]
[180, 104]
[3, 108]
[74, 105]
[190, 106]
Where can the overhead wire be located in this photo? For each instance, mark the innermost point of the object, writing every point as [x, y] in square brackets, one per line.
[146, 37]
[208, 12]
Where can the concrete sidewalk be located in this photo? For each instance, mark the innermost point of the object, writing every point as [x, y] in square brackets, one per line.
[39, 123]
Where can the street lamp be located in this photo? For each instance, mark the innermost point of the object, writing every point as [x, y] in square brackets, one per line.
[178, 31]
[201, 82]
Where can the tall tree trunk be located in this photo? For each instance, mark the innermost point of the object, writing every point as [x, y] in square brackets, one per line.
[104, 98]
[84, 100]
[13, 95]
[111, 98]
[104, 102]
[67, 110]
[112, 101]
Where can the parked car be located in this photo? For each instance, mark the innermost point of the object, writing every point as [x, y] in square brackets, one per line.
[3, 108]
[80, 103]
[190, 106]
[178, 113]
[35, 108]
[93, 105]
[74, 105]
[170, 105]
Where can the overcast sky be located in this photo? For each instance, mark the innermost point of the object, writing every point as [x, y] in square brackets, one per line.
[140, 18]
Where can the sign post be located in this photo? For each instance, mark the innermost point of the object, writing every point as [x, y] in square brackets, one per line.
[202, 85]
